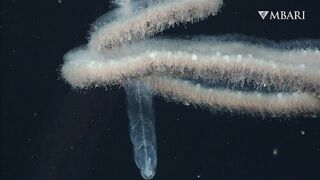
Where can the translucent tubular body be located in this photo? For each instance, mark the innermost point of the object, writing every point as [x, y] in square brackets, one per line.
[142, 130]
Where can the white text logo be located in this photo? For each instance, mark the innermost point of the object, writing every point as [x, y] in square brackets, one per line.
[282, 15]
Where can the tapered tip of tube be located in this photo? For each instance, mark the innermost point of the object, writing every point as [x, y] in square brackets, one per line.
[147, 173]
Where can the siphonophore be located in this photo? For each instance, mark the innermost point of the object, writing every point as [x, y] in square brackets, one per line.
[228, 73]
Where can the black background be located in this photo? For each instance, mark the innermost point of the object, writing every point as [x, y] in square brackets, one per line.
[49, 131]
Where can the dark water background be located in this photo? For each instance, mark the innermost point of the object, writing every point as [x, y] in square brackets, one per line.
[49, 131]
